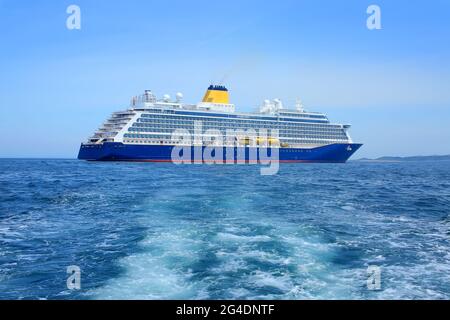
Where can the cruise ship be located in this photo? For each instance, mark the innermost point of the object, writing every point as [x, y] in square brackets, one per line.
[155, 130]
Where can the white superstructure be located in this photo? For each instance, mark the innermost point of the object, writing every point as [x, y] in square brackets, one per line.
[152, 121]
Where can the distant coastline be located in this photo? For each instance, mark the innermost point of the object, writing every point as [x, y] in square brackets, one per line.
[403, 159]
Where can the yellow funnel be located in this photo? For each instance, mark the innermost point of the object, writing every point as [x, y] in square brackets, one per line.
[216, 94]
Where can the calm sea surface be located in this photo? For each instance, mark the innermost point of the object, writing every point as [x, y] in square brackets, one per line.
[161, 231]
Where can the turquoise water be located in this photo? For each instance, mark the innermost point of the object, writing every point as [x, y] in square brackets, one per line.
[160, 231]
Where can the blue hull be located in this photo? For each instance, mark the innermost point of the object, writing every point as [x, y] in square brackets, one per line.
[115, 151]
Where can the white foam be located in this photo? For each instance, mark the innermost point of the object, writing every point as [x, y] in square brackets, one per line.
[225, 257]
[234, 237]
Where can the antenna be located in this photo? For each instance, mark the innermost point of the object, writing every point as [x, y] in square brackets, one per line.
[225, 76]
[299, 105]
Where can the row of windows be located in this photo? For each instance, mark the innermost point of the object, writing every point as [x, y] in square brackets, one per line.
[161, 142]
[208, 127]
[168, 142]
[221, 126]
[233, 120]
[313, 116]
[172, 127]
[214, 123]
[282, 133]
[149, 141]
[235, 116]
[161, 137]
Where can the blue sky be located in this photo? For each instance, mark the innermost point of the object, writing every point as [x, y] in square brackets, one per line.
[393, 85]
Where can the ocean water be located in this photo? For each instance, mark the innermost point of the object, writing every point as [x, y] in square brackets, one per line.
[162, 231]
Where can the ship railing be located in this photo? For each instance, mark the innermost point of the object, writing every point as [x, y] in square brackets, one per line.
[107, 123]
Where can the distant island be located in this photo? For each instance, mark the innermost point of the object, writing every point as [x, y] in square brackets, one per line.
[412, 158]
